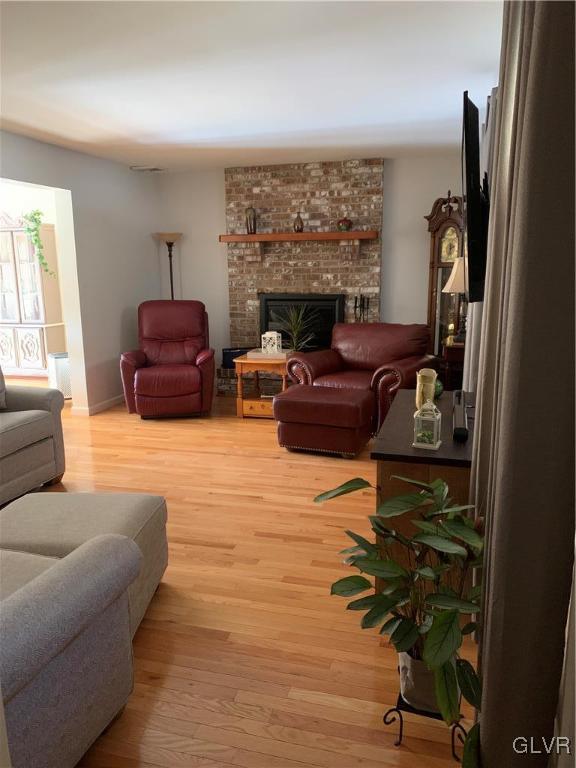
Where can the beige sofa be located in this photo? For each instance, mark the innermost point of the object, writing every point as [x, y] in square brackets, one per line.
[31, 443]
[77, 572]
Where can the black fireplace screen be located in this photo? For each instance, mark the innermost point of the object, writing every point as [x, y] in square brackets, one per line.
[321, 309]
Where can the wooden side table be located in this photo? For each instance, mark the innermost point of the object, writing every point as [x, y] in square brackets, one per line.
[453, 360]
[258, 406]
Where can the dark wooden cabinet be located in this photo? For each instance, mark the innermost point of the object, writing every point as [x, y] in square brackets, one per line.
[392, 449]
[452, 363]
[445, 225]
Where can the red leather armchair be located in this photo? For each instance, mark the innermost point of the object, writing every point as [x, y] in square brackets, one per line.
[172, 373]
[381, 357]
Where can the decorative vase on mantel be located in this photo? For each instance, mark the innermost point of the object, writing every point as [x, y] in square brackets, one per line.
[298, 223]
[344, 224]
[250, 221]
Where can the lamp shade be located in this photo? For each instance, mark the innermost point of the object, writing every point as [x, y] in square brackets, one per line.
[167, 237]
[456, 283]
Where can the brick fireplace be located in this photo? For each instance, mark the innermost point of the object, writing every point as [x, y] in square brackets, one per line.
[322, 193]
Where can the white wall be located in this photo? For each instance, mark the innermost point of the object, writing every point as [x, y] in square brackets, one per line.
[115, 211]
[411, 184]
[18, 199]
[119, 264]
[193, 203]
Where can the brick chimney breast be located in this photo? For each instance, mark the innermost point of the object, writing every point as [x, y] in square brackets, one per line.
[322, 193]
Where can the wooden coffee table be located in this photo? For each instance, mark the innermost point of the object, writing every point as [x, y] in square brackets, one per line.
[257, 406]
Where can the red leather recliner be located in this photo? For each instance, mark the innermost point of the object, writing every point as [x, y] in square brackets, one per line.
[172, 374]
[381, 357]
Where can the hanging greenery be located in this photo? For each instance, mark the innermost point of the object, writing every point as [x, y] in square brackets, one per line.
[32, 224]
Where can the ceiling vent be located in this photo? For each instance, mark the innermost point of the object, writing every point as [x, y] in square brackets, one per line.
[146, 168]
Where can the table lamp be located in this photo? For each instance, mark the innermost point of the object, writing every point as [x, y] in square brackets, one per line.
[456, 284]
[169, 238]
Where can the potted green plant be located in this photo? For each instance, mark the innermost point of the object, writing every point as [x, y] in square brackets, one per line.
[418, 589]
[297, 322]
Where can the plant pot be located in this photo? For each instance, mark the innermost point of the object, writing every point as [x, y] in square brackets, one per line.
[417, 684]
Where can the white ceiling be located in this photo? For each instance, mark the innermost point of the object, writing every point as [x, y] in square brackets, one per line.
[192, 84]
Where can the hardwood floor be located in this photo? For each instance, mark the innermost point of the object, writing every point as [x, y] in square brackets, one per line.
[243, 658]
[27, 381]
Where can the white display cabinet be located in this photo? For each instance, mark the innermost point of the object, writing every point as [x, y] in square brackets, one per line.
[31, 324]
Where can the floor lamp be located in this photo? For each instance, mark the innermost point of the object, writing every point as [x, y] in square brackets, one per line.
[169, 238]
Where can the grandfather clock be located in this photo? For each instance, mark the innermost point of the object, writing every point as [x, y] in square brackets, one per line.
[445, 225]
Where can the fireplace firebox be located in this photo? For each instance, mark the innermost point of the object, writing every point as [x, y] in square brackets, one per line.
[327, 309]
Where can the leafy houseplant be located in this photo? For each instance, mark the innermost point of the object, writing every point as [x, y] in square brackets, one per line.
[32, 223]
[419, 592]
[297, 322]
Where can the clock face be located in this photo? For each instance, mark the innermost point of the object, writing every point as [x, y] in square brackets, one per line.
[449, 245]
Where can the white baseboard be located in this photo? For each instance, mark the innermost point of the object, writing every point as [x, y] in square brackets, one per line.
[103, 405]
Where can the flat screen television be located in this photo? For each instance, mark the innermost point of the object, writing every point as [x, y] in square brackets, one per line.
[476, 203]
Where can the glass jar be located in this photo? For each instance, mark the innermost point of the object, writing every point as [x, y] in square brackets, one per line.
[427, 427]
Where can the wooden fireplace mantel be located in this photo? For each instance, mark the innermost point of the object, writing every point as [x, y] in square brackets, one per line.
[283, 237]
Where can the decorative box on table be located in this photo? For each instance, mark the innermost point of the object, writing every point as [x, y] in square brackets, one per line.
[271, 342]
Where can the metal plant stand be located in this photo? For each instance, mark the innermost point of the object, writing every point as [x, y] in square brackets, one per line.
[457, 731]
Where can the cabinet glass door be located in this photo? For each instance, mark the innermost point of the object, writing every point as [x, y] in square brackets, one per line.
[446, 310]
[29, 280]
[9, 311]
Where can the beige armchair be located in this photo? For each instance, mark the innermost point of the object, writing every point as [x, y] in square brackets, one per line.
[31, 441]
